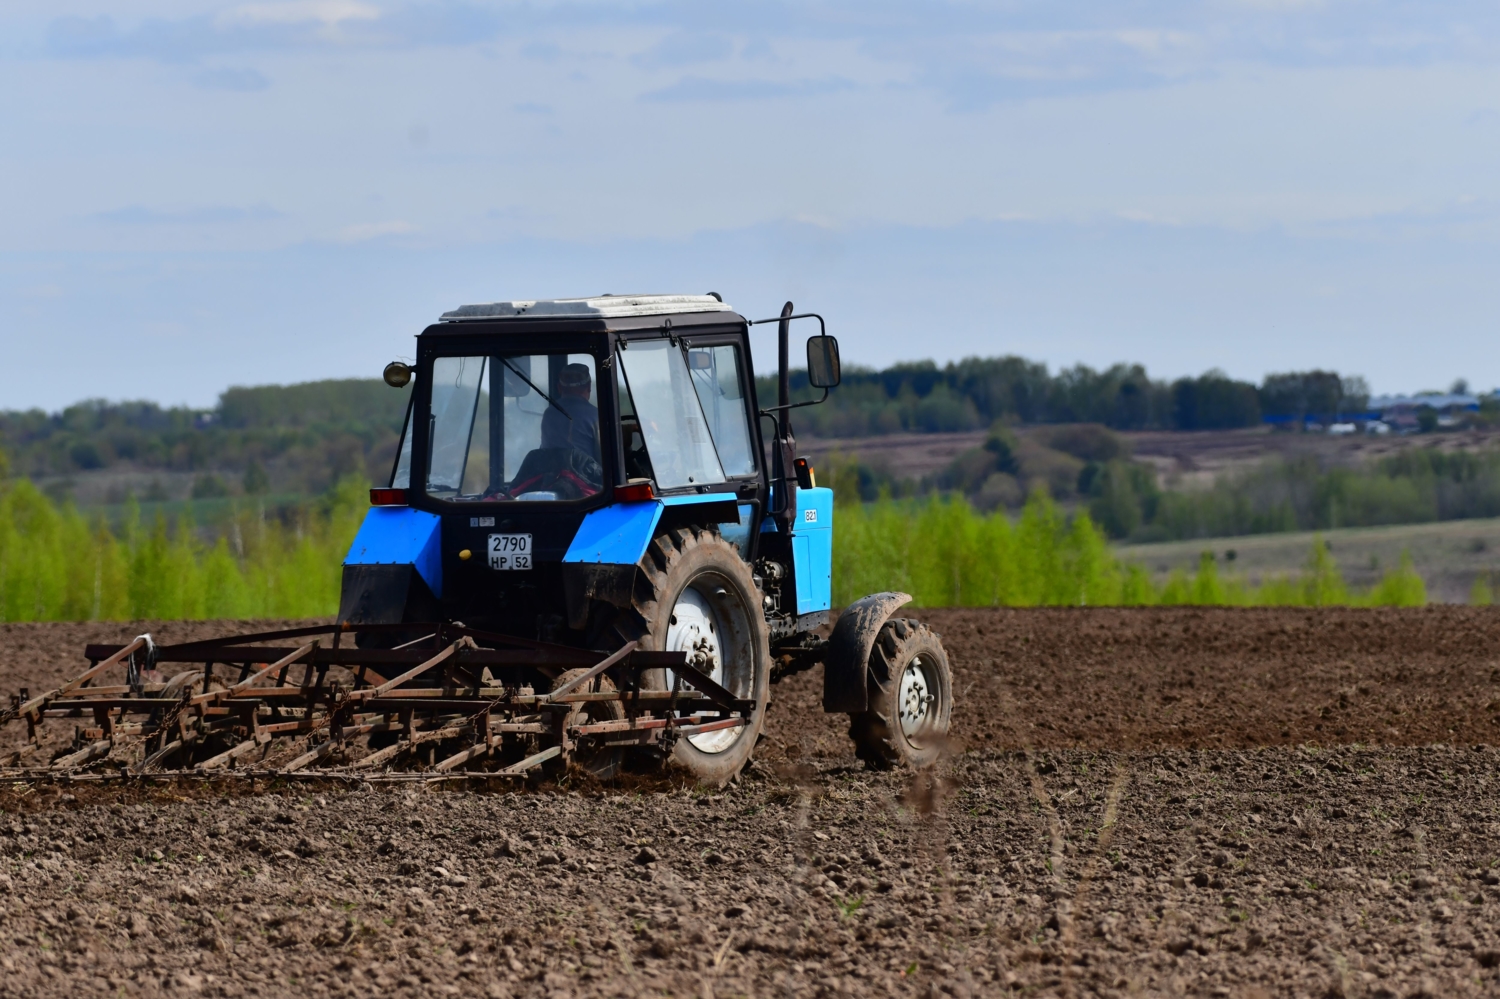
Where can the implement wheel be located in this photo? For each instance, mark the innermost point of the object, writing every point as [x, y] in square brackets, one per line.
[911, 699]
[601, 762]
[210, 745]
[694, 594]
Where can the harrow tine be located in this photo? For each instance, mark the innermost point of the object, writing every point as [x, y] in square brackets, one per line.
[310, 757]
[411, 742]
[159, 755]
[583, 678]
[530, 761]
[39, 702]
[409, 674]
[215, 695]
[414, 641]
[88, 753]
[473, 752]
[235, 752]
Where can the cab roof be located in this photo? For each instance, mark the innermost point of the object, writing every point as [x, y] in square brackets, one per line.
[597, 307]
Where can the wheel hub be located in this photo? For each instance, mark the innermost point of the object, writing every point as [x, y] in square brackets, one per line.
[914, 699]
[694, 628]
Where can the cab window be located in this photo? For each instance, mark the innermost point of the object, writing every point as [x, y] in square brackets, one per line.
[513, 427]
[669, 417]
[716, 377]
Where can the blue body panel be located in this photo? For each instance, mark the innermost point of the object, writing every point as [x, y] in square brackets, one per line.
[399, 535]
[618, 534]
[812, 550]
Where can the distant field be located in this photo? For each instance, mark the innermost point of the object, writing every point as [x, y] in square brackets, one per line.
[1181, 458]
[1448, 555]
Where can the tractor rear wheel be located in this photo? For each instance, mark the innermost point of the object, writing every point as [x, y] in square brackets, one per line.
[911, 699]
[695, 594]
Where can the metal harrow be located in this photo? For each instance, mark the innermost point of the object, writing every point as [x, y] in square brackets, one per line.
[456, 703]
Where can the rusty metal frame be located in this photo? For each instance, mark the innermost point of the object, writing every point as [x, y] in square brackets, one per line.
[470, 691]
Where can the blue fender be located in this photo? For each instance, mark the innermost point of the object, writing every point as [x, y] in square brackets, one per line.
[619, 533]
[399, 535]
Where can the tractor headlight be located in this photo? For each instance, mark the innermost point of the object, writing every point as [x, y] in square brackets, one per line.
[397, 375]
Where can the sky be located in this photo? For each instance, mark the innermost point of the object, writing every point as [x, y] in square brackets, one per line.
[196, 195]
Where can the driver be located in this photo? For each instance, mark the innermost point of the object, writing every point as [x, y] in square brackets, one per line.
[579, 428]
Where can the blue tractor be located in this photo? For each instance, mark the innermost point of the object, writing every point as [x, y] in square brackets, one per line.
[595, 472]
[587, 549]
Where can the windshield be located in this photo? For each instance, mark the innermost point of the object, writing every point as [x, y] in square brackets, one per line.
[514, 427]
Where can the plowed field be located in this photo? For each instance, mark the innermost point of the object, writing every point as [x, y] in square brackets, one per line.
[1157, 802]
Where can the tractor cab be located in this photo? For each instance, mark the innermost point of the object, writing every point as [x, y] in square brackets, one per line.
[548, 442]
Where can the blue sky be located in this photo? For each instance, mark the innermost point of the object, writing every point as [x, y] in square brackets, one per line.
[194, 195]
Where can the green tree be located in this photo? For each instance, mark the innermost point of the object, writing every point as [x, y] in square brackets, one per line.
[256, 482]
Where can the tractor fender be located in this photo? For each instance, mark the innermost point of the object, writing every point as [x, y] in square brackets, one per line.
[846, 664]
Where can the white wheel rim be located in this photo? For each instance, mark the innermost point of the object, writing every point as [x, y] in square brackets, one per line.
[695, 629]
[915, 700]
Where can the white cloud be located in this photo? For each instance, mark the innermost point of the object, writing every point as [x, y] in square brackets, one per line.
[326, 12]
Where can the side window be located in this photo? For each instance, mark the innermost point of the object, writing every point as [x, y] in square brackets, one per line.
[637, 461]
[671, 419]
[401, 476]
[716, 377]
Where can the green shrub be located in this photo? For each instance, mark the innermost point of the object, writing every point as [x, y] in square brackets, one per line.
[55, 566]
[945, 553]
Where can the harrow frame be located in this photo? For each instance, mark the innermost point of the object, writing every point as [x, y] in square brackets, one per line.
[468, 693]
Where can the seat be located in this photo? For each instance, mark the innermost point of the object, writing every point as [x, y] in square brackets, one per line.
[567, 471]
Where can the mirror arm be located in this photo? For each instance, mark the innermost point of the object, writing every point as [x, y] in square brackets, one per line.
[822, 329]
[771, 411]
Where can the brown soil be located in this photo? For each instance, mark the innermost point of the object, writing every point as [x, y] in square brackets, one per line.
[1164, 802]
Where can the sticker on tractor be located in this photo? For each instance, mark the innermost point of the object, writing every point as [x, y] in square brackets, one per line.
[481, 521]
[810, 516]
[510, 551]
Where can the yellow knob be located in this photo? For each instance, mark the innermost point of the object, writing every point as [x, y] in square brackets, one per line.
[465, 555]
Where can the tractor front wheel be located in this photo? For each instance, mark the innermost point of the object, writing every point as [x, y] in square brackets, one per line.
[911, 699]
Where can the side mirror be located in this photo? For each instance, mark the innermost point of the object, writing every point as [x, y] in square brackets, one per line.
[823, 361]
[397, 375]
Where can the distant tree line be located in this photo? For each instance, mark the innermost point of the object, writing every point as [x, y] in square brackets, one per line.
[302, 438]
[976, 392]
[297, 438]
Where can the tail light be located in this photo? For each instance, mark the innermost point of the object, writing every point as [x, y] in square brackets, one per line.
[638, 491]
[805, 477]
[387, 497]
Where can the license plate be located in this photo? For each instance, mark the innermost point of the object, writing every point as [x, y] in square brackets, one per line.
[510, 551]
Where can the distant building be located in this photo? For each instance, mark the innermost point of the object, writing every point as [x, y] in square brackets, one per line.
[1400, 412]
